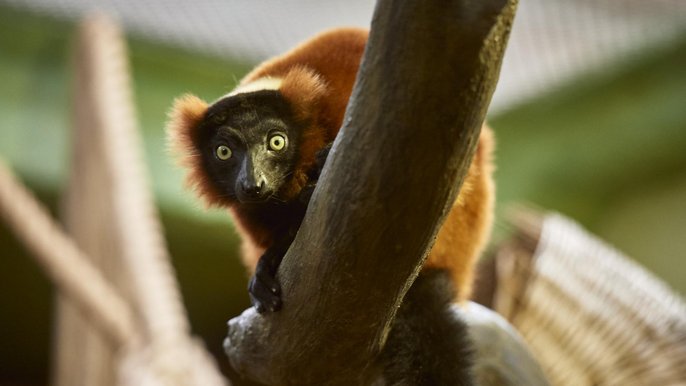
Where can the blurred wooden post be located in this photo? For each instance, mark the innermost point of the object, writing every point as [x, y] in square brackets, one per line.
[81, 355]
[110, 212]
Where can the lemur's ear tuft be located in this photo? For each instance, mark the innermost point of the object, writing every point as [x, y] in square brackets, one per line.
[183, 129]
[305, 90]
[182, 126]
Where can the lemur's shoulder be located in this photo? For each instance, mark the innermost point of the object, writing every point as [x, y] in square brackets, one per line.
[322, 70]
[329, 53]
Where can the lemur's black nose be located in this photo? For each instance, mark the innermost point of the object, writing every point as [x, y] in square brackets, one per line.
[253, 189]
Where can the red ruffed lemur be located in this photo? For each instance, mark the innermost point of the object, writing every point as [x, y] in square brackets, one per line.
[258, 151]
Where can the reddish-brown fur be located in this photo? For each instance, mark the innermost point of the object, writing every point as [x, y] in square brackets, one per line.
[318, 77]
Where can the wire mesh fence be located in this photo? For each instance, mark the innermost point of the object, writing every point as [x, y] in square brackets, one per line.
[552, 40]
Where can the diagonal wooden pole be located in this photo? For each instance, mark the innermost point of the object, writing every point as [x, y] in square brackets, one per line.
[68, 267]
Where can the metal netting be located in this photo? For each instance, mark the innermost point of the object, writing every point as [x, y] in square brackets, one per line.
[552, 40]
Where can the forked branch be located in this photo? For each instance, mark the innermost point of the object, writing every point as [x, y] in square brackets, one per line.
[410, 131]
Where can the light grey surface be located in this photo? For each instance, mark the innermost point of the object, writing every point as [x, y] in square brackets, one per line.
[502, 357]
[552, 40]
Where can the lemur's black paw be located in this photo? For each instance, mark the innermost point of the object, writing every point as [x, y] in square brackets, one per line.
[265, 292]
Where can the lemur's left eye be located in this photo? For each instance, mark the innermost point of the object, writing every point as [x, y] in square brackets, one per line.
[223, 152]
[277, 142]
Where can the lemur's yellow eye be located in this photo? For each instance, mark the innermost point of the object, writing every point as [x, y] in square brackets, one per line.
[277, 142]
[223, 152]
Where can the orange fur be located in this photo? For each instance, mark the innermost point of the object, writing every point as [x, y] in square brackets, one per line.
[333, 55]
[467, 226]
[182, 131]
[307, 92]
[317, 79]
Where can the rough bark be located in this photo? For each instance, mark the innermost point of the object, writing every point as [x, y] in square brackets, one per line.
[410, 131]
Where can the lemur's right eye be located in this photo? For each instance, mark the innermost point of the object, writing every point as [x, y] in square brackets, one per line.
[223, 152]
[277, 142]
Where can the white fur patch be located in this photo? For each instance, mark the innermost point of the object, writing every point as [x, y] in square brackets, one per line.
[266, 83]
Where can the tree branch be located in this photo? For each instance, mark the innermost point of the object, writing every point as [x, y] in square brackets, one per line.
[411, 128]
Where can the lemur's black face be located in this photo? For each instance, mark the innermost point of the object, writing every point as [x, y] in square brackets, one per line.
[249, 145]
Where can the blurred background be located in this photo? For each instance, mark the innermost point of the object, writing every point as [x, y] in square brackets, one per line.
[590, 119]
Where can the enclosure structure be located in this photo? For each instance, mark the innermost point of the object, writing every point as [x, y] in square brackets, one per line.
[179, 324]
